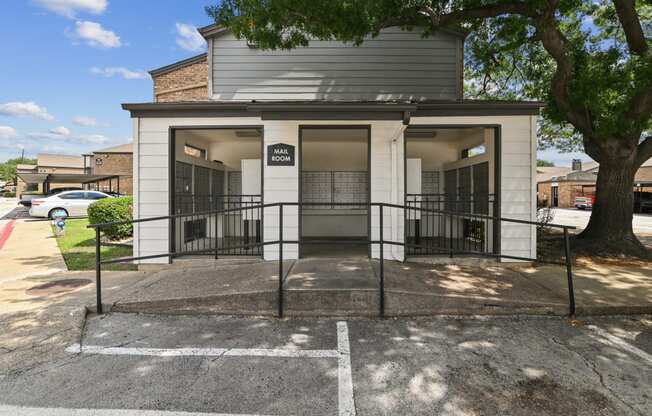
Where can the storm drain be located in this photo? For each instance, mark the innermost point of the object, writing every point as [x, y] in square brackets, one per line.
[57, 286]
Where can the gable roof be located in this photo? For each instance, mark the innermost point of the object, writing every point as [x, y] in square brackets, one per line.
[214, 30]
[545, 173]
[60, 161]
[179, 64]
[121, 148]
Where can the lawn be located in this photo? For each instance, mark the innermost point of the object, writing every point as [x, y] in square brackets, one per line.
[78, 248]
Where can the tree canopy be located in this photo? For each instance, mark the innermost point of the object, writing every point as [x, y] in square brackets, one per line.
[8, 168]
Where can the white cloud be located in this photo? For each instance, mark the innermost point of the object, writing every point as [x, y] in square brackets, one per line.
[70, 8]
[7, 132]
[95, 35]
[125, 73]
[57, 138]
[189, 39]
[61, 131]
[91, 139]
[25, 109]
[85, 121]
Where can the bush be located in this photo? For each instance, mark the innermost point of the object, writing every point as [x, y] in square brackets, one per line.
[9, 194]
[110, 210]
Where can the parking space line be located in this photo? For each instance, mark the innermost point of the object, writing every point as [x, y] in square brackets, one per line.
[55, 411]
[201, 352]
[617, 342]
[345, 402]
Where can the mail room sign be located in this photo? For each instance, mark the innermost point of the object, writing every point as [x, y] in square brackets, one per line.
[280, 154]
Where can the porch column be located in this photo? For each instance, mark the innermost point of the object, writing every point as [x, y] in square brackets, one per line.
[281, 184]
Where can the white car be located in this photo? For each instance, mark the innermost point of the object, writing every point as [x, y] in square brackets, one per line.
[65, 204]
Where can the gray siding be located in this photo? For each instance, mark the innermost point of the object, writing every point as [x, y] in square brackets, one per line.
[394, 66]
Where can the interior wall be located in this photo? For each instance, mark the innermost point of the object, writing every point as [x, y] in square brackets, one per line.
[330, 150]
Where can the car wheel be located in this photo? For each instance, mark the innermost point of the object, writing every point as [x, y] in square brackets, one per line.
[57, 212]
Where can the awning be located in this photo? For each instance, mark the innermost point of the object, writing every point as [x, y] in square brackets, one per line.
[31, 178]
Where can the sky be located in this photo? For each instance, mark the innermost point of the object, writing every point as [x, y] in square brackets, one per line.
[68, 65]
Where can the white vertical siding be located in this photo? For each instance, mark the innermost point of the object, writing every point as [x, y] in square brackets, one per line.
[151, 177]
[518, 150]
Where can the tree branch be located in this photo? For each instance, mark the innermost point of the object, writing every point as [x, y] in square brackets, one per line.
[640, 105]
[480, 12]
[555, 44]
[631, 24]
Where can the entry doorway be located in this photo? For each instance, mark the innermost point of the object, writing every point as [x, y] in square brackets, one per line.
[216, 184]
[334, 191]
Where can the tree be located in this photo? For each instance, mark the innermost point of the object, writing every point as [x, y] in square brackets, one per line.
[544, 163]
[590, 61]
[8, 168]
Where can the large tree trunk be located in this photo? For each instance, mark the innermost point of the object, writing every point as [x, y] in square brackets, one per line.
[610, 228]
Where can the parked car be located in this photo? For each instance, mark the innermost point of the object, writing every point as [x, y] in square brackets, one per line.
[65, 204]
[26, 199]
[584, 202]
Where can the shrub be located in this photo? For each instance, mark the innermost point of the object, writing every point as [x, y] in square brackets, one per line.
[110, 210]
[9, 194]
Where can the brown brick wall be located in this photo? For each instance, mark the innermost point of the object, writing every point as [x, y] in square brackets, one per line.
[188, 83]
[120, 164]
[567, 191]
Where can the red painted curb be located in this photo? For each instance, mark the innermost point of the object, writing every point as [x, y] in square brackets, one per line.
[6, 233]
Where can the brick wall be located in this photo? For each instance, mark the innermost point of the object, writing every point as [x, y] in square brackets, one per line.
[120, 164]
[187, 83]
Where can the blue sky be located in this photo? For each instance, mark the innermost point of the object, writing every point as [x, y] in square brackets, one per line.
[69, 64]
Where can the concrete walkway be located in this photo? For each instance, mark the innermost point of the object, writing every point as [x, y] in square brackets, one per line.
[30, 249]
[350, 287]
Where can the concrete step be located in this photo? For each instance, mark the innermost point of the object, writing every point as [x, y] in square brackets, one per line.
[333, 302]
[260, 303]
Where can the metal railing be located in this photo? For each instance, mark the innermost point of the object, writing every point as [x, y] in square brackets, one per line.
[437, 231]
[383, 210]
[230, 222]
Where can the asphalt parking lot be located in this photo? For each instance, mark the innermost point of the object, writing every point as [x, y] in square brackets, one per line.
[155, 365]
[642, 223]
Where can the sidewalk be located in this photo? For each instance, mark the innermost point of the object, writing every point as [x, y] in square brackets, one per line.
[29, 250]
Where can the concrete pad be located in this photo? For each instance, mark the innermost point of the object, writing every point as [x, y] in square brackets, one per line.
[599, 288]
[414, 288]
[331, 273]
[31, 250]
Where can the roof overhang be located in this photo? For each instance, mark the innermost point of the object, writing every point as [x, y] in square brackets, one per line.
[37, 178]
[320, 110]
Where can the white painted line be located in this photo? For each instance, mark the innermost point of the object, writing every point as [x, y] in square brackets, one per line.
[346, 404]
[202, 352]
[52, 411]
[617, 342]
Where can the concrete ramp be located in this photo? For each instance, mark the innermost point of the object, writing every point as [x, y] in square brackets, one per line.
[335, 286]
[340, 286]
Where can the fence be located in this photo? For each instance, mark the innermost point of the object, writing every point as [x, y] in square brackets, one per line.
[445, 225]
[383, 210]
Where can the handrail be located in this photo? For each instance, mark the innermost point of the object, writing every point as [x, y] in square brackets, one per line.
[281, 241]
[374, 204]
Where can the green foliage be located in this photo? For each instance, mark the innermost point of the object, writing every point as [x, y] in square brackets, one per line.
[110, 210]
[77, 246]
[9, 194]
[8, 168]
[544, 163]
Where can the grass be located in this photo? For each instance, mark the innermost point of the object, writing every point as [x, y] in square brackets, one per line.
[78, 248]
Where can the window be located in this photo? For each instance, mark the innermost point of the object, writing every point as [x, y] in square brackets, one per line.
[73, 195]
[194, 151]
[95, 195]
[474, 151]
